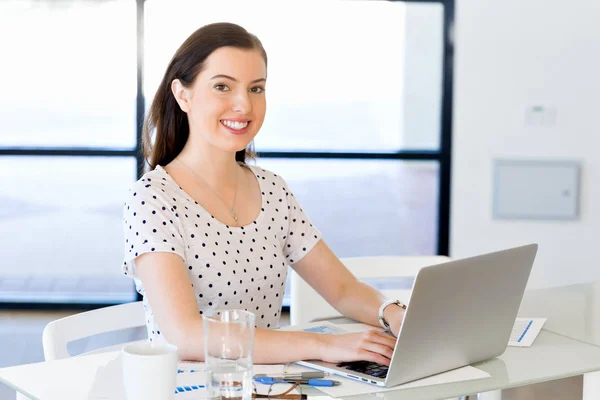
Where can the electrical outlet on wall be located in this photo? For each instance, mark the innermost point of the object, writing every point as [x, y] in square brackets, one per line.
[540, 115]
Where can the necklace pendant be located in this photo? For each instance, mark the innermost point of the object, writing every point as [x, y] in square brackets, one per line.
[234, 215]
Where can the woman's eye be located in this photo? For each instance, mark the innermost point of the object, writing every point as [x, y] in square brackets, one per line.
[257, 89]
[221, 87]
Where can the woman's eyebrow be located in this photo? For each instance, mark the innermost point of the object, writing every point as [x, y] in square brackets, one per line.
[235, 80]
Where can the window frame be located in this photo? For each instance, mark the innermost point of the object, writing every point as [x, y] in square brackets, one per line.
[443, 155]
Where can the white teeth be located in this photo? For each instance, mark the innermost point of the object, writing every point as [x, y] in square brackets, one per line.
[235, 124]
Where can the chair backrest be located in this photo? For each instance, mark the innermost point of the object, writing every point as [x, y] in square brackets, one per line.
[58, 334]
[306, 305]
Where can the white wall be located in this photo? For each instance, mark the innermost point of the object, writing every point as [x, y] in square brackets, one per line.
[510, 54]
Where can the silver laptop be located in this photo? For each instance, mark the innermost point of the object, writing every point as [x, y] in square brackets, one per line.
[460, 312]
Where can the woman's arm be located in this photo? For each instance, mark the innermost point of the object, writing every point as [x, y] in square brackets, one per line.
[322, 270]
[173, 302]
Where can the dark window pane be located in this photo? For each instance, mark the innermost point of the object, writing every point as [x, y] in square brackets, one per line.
[366, 208]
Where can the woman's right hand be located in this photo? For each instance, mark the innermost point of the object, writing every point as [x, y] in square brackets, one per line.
[372, 345]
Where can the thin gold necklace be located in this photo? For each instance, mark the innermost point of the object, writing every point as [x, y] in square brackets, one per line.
[231, 209]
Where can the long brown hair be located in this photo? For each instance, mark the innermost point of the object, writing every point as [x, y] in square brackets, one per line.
[166, 127]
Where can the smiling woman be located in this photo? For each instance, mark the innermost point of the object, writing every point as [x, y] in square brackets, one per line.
[218, 103]
[343, 105]
[205, 231]
[199, 74]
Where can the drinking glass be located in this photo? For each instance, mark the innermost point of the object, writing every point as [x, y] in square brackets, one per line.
[228, 349]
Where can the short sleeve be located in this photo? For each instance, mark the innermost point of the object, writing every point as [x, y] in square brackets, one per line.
[302, 235]
[150, 224]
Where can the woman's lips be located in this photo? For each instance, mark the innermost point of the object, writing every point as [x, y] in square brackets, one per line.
[236, 127]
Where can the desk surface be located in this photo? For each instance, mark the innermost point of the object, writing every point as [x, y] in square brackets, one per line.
[551, 357]
[569, 345]
[572, 311]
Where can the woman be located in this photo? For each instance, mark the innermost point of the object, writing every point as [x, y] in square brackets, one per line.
[204, 230]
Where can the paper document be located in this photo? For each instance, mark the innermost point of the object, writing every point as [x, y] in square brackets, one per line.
[352, 387]
[192, 374]
[318, 327]
[525, 331]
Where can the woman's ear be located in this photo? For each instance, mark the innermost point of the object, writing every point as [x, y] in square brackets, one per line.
[181, 94]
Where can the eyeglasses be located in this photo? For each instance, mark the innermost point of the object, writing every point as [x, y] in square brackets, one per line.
[281, 390]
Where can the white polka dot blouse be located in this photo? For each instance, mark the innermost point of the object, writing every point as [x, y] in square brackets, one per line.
[229, 267]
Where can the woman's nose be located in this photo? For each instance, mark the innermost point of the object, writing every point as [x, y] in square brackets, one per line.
[242, 104]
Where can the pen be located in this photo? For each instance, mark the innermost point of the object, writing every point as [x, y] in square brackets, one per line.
[267, 380]
[300, 375]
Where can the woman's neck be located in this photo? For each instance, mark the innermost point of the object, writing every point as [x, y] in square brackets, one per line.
[217, 168]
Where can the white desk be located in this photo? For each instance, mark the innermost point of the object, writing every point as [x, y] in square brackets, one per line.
[572, 311]
[569, 345]
[551, 357]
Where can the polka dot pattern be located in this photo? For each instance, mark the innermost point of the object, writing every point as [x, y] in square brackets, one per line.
[228, 267]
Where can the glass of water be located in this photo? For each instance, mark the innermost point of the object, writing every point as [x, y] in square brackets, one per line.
[228, 347]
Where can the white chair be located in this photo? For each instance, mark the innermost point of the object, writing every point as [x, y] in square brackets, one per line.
[58, 334]
[306, 305]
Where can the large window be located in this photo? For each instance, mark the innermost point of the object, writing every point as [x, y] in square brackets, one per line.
[371, 84]
[358, 123]
[67, 149]
[60, 228]
[367, 207]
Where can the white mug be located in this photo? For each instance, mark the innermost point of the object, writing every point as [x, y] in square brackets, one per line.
[149, 371]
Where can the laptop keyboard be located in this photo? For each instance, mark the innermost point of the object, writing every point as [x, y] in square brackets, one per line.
[366, 367]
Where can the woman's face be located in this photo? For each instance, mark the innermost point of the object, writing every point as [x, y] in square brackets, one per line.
[226, 104]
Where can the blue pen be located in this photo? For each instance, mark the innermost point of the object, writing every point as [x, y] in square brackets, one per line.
[267, 380]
